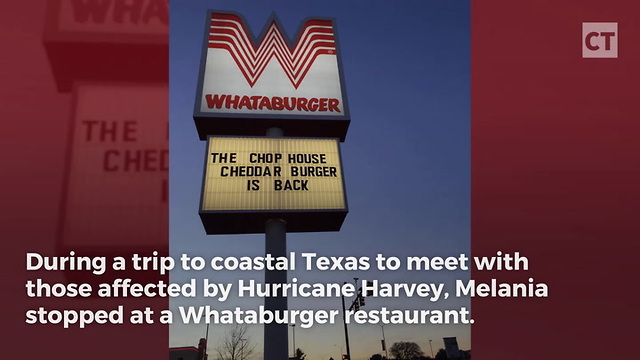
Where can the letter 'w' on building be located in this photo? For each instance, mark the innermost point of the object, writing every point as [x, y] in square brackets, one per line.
[316, 38]
[244, 77]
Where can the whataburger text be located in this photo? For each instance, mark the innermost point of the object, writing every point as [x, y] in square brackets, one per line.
[258, 102]
[307, 318]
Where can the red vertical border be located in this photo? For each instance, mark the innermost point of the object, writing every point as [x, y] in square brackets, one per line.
[35, 120]
[555, 174]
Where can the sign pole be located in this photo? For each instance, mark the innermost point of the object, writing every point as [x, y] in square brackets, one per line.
[346, 332]
[276, 336]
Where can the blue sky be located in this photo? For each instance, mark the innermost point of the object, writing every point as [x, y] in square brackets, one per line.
[405, 159]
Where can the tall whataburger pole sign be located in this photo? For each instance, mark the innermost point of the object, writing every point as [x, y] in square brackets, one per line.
[273, 111]
[249, 86]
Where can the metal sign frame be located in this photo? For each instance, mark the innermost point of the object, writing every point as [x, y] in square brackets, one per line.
[253, 221]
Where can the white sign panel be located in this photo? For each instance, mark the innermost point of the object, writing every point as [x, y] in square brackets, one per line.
[284, 81]
[271, 75]
[269, 174]
[116, 189]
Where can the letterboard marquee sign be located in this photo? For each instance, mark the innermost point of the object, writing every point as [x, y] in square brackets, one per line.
[248, 84]
[248, 181]
[116, 182]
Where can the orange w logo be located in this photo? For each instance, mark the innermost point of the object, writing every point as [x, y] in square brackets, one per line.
[229, 32]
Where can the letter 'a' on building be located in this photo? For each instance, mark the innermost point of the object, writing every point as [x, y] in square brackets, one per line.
[248, 84]
[249, 180]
